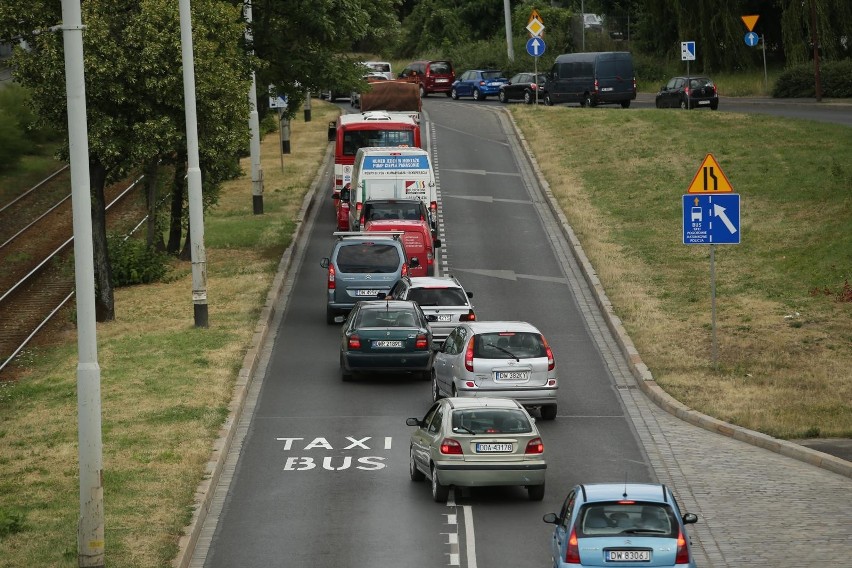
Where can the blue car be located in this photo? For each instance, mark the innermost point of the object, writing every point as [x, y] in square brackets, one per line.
[621, 524]
[478, 84]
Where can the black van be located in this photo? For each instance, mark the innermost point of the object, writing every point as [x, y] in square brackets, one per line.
[591, 79]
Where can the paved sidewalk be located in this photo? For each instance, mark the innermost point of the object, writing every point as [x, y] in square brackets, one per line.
[756, 507]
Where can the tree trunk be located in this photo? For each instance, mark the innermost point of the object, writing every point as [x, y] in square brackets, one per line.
[186, 253]
[176, 217]
[104, 298]
[153, 237]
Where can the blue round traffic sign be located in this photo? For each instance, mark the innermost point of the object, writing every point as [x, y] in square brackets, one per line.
[751, 39]
[536, 46]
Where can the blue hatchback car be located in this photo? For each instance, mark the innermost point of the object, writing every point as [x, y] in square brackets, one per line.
[621, 524]
[478, 84]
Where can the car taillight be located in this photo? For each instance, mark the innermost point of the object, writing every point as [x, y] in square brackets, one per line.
[535, 446]
[359, 212]
[433, 207]
[331, 284]
[551, 362]
[682, 550]
[469, 316]
[354, 342]
[429, 258]
[405, 269]
[686, 91]
[714, 89]
[533, 86]
[420, 342]
[595, 87]
[451, 447]
[468, 356]
[482, 83]
[634, 84]
[572, 550]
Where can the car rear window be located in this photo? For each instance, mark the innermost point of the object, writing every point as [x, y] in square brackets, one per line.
[368, 258]
[381, 67]
[615, 68]
[354, 139]
[386, 318]
[382, 211]
[700, 82]
[492, 74]
[508, 345]
[628, 517]
[440, 68]
[491, 421]
[438, 296]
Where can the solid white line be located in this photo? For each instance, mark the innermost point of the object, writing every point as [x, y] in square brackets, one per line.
[470, 542]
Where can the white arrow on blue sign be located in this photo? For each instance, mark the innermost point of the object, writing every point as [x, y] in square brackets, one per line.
[751, 39]
[687, 51]
[535, 46]
[711, 219]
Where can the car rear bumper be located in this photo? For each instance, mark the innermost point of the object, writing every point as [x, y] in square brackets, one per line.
[388, 362]
[527, 397]
[481, 475]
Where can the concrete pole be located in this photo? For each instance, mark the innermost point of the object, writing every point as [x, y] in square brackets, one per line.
[90, 525]
[254, 127]
[307, 106]
[507, 13]
[196, 211]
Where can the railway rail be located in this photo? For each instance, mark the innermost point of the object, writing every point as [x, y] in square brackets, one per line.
[37, 280]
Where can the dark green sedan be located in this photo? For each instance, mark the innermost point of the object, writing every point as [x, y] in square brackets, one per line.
[386, 336]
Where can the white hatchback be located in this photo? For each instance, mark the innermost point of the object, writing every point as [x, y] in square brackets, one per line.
[508, 359]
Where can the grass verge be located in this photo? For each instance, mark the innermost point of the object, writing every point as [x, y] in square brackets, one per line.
[165, 385]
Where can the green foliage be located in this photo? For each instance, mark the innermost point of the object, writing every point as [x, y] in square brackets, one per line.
[20, 132]
[134, 263]
[13, 145]
[10, 522]
[799, 81]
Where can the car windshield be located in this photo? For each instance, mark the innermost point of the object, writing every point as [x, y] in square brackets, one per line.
[368, 258]
[381, 67]
[491, 421]
[438, 296]
[382, 211]
[492, 74]
[386, 318]
[508, 345]
[620, 517]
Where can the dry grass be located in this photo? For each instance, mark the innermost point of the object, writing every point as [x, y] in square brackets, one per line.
[165, 385]
[784, 355]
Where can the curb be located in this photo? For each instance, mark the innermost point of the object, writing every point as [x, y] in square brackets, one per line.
[219, 452]
[641, 372]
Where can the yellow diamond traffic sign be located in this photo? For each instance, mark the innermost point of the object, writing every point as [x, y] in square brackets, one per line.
[710, 178]
[749, 21]
[535, 27]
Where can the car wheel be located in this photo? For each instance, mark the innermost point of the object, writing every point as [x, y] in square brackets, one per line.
[587, 101]
[436, 392]
[423, 93]
[447, 93]
[714, 106]
[413, 472]
[501, 96]
[454, 94]
[548, 412]
[658, 104]
[548, 101]
[528, 98]
[684, 104]
[625, 104]
[439, 492]
[536, 492]
[477, 96]
[345, 376]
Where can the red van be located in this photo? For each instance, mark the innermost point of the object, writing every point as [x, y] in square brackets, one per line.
[416, 240]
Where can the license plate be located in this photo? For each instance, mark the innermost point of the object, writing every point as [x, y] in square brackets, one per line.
[493, 448]
[387, 344]
[366, 292]
[628, 555]
[441, 80]
[606, 89]
[512, 375]
[704, 102]
[444, 317]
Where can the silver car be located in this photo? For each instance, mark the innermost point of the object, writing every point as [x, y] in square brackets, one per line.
[468, 442]
[442, 299]
[497, 358]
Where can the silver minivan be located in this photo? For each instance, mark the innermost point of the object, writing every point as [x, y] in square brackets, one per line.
[362, 266]
[497, 358]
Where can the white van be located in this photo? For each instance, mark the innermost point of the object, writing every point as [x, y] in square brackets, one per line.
[391, 173]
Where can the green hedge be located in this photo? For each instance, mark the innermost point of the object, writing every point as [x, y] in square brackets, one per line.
[134, 263]
[798, 81]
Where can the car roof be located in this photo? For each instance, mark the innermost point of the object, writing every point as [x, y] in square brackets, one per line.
[691, 77]
[495, 326]
[394, 200]
[381, 304]
[434, 282]
[653, 492]
[391, 224]
[458, 403]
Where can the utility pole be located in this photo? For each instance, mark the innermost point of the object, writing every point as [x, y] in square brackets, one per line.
[815, 40]
[196, 211]
[90, 525]
[507, 13]
[254, 127]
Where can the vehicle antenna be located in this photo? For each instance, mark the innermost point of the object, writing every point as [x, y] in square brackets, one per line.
[625, 485]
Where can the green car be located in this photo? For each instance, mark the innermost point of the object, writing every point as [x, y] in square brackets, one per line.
[386, 336]
[477, 442]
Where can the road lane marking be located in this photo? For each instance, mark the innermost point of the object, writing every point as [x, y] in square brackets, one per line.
[469, 540]
[512, 275]
[490, 199]
[483, 172]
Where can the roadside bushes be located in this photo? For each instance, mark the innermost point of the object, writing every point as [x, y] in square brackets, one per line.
[798, 81]
[20, 132]
[133, 262]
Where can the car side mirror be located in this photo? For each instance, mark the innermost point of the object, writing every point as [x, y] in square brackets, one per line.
[550, 519]
[431, 317]
[332, 131]
[345, 195]
[470, 294]
[436, 243]
[324, 262]
[413, 422]
[690, 518]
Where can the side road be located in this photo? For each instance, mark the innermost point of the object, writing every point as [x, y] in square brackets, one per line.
[742, 484]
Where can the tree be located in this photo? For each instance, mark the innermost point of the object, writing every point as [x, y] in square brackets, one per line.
[134, 91]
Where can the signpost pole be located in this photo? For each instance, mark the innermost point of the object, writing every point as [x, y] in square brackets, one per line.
[765, 74]
[713, 305]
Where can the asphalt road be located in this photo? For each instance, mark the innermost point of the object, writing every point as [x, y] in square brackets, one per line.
[318, 473]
